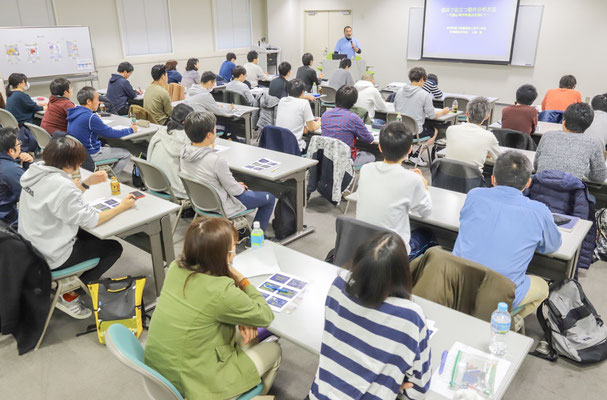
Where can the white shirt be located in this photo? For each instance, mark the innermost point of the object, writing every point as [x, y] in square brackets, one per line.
[369, 98]
[293, 113]
[470, 143]
[387, 193]
[598, 129]
[254, 73]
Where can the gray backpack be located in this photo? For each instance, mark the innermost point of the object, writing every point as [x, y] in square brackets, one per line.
[572, 327]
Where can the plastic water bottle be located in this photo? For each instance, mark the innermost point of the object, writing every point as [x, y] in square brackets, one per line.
[500, 325]
[454, 106]
[256, 235]
[399, 117]
[314, 88]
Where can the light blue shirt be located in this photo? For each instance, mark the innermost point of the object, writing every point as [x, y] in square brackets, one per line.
[501, 229]
[344, 46]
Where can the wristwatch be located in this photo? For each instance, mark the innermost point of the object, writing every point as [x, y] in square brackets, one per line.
[84, 185]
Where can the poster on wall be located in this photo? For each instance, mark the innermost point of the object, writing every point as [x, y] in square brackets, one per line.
[72, 49]
[31, 50]
[12, 53]
[54, 49]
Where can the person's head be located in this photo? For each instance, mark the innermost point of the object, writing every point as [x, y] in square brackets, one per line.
[159, 73]
[200, 127]
[88, 97]
[252, 56]
[348, 31]
[231, 57]
[61, 87]
[345, 63]
[171, 65]
[295, 88]
[478, 110]
[207, 79]
[65, 153]
[380, 269]
[346, 97]
[284, 69]
[180, 112]
[578, 117]
[16, 81]
[368, 76]
[307, 59]
[239, 73]
[192, 64]
[512, 168]
[417, 75]
[567, 82]
[9, 143]
[433, 78]
[599, 103]
[526, 95]
[395, 141]
[125, 69]
[209, 247]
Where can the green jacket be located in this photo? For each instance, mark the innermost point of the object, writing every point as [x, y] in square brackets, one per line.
[191, 336]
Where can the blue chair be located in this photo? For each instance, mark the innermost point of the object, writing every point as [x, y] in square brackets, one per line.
[66, 281]
[126, 348]
[555, 116]
[279, 139]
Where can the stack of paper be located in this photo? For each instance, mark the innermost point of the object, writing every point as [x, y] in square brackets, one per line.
[263, 264]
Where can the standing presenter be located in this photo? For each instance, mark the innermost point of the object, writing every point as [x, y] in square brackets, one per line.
[347, 44]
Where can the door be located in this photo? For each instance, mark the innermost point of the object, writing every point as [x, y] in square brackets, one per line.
[337, 21]
[322, 30]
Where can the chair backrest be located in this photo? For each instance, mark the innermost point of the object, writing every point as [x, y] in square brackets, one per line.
[7, 120]
[513, 139]
[390, 98]
[176, 91]
[363, 113]
[89, 163]
[201, 195]
[125, 347]
[153, 177]
[236, 98]
[109, 106]
[141, 113]
[555, 116]
[454, 175]
[329, 93]
[350, 234]
[462, 102]
[279, 139]
[407, 120]
[41, 135]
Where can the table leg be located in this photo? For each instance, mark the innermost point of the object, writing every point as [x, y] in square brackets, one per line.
[157, 257]
[167, 239]
[247, 128]
[300, 179]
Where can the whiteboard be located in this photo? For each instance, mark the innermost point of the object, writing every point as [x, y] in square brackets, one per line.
[46, 51]
[526, 36]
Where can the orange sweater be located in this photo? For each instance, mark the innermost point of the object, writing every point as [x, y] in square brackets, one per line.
[560, 99]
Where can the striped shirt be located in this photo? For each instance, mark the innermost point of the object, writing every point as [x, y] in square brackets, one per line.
[432, 88]
[367, 353]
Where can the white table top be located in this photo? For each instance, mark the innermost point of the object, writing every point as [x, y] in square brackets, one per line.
[244, 109]
[103, 92]
[542, 127]
[443, 118]
[146, 209]
[304, 326]
[395, 86]
[141, 133]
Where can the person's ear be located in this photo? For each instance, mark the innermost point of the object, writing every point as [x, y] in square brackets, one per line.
[379, 146]
[527, 185]
[493, 180]
[410, 150]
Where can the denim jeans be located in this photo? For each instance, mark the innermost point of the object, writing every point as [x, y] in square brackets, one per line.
[263, 201]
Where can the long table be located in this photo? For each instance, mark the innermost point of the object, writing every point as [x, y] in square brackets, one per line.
[305, 325]
[140, 135]
[390, 115]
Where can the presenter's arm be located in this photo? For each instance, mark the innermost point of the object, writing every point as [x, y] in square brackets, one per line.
[356, 46]
[337, 45]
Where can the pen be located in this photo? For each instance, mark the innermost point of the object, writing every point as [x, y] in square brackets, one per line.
[443, 361]
[276, 169]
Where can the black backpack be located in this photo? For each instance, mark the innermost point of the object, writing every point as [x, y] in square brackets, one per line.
[285, 216]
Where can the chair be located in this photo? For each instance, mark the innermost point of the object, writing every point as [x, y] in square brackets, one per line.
[90, 164]
[457, 176]
[159, 185]
[206, 202]
[328, 98]
[66, 280]
[42, 136]
[362, 113]
[279, 139]
[412, 126]
[555, 116]
[176, 91]
[125, 347]
[235, 98]
[7, 120]
[513, 139]
[351, 232]
[462, 104]
[324, 176]
[141, 113]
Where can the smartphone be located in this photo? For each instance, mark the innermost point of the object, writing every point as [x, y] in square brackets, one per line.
[137, 195]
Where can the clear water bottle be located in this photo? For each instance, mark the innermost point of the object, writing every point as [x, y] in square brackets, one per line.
[399, 117]
[314, 88]
[256, 235]
[454, 106]
[500, 325]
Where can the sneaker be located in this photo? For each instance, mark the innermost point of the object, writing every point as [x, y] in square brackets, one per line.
[418, 160]
[74, 308]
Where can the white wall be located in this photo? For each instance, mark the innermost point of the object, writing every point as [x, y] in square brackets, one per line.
[570, 43]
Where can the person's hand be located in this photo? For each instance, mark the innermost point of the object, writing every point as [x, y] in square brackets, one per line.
[419, 172]
[44, 107]
[309, 97]
[243, 185]
[406, 385]
[127, 202]
[446, 110]
[236, 274]
[138, 92]
[321, 75]
[248, 333]
[232, 106]
[134, 126]
[96, 177]
[26, 157]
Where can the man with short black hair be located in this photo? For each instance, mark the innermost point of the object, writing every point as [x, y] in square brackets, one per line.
[119, 89]
[60, 101]
[559, 99]
[10, 173]
[348, 45]
[569, 150]
[199, 97]
[225, 71]
[237, 85]
[598, 129]
[294, 113]
[341, 123]
[501, 229]
[254, 71]
[342, 75]
[278, 86]
[157, 100]
[522, 116]
[306, 73]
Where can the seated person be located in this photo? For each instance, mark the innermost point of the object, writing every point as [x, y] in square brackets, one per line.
[55, 117]
[193, 341]
[164, 150]
[19, 103]
[376, 344]
[52, 212]
[156, 99]
[502, 229]
[598, 128]
[342, 75]
[522, 116]
[570, 150]
[10, 173]
[119, 89]
[431, 86]
[369, 97]
[200, 98]
[225, 71]
[387, 192]
[199, 161]
[173, 76]
[559, 99]
[254, 71]
[278, 86]
[237, 85]
[470, 142]
[191, 76]
[341, 123]
[294, 113]
[307, 74]
[86, 126]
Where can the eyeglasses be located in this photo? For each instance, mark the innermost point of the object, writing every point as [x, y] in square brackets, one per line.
[18, 143]
[232, 251]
